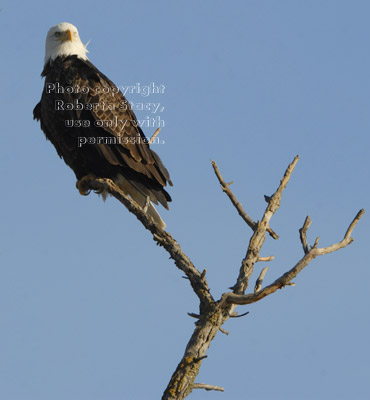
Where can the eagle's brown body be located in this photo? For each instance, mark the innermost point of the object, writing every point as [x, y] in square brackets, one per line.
[118, 150]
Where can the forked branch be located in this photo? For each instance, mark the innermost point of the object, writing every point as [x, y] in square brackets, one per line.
[235, 202]
[213, 314]
[287, 278]
[259, 234]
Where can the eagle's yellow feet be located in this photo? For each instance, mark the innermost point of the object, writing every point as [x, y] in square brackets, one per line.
[82, 186]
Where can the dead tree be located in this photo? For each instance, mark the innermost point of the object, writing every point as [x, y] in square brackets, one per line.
[214, 313]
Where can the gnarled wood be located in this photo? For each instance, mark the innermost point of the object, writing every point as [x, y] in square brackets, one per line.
[213, 314]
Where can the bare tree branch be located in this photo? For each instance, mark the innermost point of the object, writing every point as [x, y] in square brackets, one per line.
[258, 237]
[154, 135]
[266, 259]
[286, 279]
[237, 205]
[259, 281]
[303, 233]
[236, 315]
[163, 238]
[353, 224]
[208, 387]
[224, 331]
[213, 314]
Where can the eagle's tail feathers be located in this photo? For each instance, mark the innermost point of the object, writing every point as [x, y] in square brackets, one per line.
[140, 198]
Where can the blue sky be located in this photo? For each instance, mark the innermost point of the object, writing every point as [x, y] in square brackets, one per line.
[90, 308]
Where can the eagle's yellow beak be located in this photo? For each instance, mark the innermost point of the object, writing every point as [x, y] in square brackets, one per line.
[67, 35]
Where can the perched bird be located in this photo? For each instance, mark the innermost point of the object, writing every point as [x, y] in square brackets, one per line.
[92, 126]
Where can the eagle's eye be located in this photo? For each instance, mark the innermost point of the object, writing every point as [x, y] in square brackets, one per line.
[57, 34]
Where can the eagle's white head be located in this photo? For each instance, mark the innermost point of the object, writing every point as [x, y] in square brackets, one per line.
[63, 40]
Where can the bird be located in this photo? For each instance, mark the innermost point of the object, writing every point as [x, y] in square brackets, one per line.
[93, 127]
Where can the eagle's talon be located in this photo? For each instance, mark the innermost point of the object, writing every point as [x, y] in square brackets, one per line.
[82, 184]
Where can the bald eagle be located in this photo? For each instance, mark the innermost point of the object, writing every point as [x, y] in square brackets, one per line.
[92, 126]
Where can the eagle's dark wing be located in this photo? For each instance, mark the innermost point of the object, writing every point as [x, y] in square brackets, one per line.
[134, 149]
[111, 117]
